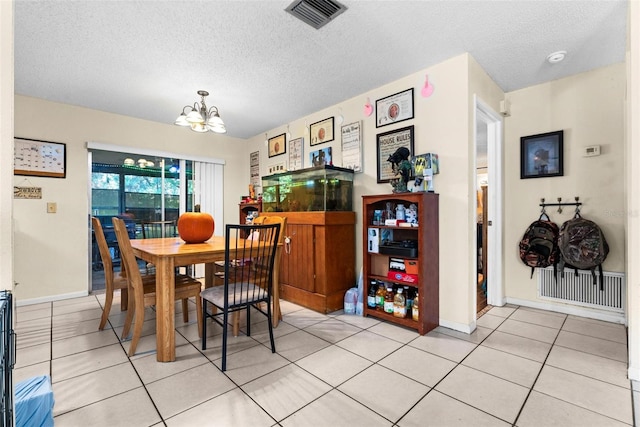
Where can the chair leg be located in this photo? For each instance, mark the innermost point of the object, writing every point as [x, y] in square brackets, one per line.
[199, 315]
[248, 320]
[203, 314]
[224, 340]
[105, 311]
[124, 299]
[277, 314]
[137, 331]
[185, 310]
[128, 319]
[270, 324]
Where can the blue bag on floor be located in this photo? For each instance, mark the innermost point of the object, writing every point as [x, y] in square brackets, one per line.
[34, 402]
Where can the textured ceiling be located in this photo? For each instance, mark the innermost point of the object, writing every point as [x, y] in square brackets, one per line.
[264, 68]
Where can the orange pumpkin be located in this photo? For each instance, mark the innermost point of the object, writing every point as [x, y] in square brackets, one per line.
[195, 227]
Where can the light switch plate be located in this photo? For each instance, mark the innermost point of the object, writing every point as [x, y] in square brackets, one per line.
[52, 207]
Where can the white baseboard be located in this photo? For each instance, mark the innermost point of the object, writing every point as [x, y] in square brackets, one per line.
[21, 302]
[633, 372]
[461, 327]
[573, 310]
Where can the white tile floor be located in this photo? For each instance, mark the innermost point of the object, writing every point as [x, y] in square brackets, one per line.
[521, 367]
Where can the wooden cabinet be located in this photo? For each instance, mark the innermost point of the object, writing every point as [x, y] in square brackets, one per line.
[426, 238]
[318, 266]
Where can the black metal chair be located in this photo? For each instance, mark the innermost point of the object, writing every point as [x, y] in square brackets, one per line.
[243, 287]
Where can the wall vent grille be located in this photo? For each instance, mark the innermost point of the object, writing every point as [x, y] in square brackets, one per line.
[580, 290]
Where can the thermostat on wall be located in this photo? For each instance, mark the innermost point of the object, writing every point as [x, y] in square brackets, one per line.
[593, 150]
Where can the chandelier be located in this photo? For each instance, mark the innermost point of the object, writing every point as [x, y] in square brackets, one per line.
[200, 119]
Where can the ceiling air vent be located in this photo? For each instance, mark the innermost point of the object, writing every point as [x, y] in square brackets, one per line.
[316, 13]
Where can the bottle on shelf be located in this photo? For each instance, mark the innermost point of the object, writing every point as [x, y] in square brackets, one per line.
[400, 211]
[380, 294]
[399, 304]
[388, 300]
[415, 312]
[408, 300]
[371, 297]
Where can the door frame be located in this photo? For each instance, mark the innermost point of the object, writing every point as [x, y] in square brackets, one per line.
[494, 121]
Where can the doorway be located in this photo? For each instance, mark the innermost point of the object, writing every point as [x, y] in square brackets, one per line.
[140, 190]
[487, 284]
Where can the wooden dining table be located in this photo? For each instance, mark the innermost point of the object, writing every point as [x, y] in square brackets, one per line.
[167, 254]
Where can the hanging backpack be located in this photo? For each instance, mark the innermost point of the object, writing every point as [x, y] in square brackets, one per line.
[582, 246]
[539, 245]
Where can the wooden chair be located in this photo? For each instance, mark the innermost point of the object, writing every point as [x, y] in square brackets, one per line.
[158, 229]
[112, 282]
[144, 295]
[246, 287]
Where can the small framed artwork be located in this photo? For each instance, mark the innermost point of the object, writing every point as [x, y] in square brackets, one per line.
[388, 143]
[394, 108]
[277, 168]
[321, 157]
[541, 155]
[33, 157]
[352, 146]
[277, 145]
[295, 153]
[321, 131]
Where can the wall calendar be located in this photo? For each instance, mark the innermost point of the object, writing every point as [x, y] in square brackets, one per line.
[33, 157]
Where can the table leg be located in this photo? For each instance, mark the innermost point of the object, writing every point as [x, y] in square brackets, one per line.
[165, 310]
[275, 291]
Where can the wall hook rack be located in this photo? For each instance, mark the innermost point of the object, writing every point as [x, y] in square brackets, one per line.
[560, 204]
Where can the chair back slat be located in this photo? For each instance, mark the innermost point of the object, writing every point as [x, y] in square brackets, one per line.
[128, 259]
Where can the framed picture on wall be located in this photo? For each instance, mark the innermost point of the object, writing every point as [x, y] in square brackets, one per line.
[388, 143]
[295, 153]
[541, 155]
[277, 145]
[33, 157]
[394, 108]
[321, 131]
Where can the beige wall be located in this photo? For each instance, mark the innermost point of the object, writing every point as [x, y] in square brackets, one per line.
[442, 124]
[51, 250]
[589, 107]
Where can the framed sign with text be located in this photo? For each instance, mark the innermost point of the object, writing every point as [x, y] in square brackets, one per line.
[388, 143]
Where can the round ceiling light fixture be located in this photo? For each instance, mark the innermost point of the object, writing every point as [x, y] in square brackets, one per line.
[555, 57]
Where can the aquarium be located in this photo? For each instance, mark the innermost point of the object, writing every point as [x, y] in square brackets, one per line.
[321, 188]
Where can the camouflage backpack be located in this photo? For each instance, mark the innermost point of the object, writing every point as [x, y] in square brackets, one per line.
[582, 246]
[539, 245]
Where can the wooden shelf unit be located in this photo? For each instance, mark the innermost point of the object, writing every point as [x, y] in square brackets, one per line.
[376, 265]
[245, 208]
